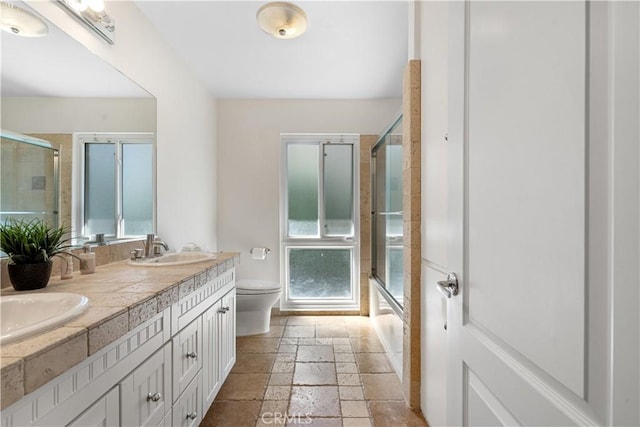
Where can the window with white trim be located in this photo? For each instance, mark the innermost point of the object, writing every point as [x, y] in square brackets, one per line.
[116, 185]
[319, 222]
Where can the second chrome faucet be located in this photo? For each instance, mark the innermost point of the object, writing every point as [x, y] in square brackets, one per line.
[152, 246]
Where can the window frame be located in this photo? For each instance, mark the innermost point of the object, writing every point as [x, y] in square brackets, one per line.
[78, 179]
[320, 241]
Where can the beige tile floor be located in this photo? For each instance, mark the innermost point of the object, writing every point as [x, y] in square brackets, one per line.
[314, 371]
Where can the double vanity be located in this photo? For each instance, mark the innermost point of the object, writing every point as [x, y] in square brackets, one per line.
[153, 348]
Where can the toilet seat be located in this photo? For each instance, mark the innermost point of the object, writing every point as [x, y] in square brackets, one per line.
[257, 287]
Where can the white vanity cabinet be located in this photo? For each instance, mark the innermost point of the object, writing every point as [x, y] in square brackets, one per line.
[187, 356]
[211, 374]
[228, 333]
[146, 392]
[103, 413]
[187, 411]
[219, 331]
[165, 372]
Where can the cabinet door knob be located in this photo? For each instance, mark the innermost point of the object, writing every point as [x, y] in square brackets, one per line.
[192, 416]
[192, 355]
[154, 397]
[226, 309]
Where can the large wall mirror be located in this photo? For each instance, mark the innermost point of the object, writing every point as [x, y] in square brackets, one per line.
[102, 123]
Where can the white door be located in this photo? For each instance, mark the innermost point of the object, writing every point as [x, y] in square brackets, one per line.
[528, 329]
[227, 333]
[211, 372]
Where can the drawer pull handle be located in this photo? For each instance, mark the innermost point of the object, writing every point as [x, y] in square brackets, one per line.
[223, 310]
[192, 416]
[154, 397]
[192, 355]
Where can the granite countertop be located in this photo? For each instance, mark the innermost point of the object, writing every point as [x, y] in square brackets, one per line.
[121, 298]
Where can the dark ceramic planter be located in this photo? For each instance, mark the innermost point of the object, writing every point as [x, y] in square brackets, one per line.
[27, 277]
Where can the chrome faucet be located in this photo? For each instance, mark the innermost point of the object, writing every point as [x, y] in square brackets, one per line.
[156, 246]
[148, 244]
[152, 246]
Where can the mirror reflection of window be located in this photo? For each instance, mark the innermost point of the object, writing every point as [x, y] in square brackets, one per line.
[117, 183]
[137, 194]
[99, 189]
[42, 96]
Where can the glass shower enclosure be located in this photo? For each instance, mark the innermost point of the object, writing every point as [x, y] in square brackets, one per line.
[30, 179]
[387, 238]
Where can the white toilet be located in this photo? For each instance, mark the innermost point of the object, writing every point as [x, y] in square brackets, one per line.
[254, 299]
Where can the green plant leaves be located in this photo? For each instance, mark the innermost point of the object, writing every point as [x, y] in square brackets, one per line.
[30, 242]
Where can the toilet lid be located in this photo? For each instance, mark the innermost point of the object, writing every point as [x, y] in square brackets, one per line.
[248, 286]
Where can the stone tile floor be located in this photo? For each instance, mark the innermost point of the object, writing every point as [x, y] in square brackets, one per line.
[313, 371]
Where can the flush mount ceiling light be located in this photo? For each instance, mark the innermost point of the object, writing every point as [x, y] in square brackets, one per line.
[282, 20]
[21, 22]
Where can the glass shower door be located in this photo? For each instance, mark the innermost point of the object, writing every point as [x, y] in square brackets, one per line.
[29, 179]
[387, 219]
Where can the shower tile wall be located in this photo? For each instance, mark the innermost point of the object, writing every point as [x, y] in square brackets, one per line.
[26, 172]
[366, 143]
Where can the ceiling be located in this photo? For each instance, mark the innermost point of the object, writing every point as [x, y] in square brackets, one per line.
[351, 50]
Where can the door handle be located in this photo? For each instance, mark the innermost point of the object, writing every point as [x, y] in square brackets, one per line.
[448, 287]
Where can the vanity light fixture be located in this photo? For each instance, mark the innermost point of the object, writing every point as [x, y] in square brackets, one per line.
[92, 14]
[282, 20]
[21, 22]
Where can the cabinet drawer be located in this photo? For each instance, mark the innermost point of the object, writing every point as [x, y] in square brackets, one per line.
[146, 392]
[166, 421]
[187, 356]
[104, 413]
[187, 411]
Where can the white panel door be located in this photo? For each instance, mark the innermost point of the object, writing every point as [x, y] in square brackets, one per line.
[518, 213]
[211, 348]
[227, 333]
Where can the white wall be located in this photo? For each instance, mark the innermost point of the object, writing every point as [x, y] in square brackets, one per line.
[186, 118]
[249, 159]
[68, 115]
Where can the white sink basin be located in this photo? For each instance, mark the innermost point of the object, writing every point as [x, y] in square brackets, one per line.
[171, 259]
[25, 315]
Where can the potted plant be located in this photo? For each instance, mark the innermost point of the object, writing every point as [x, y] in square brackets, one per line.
[30, 245]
